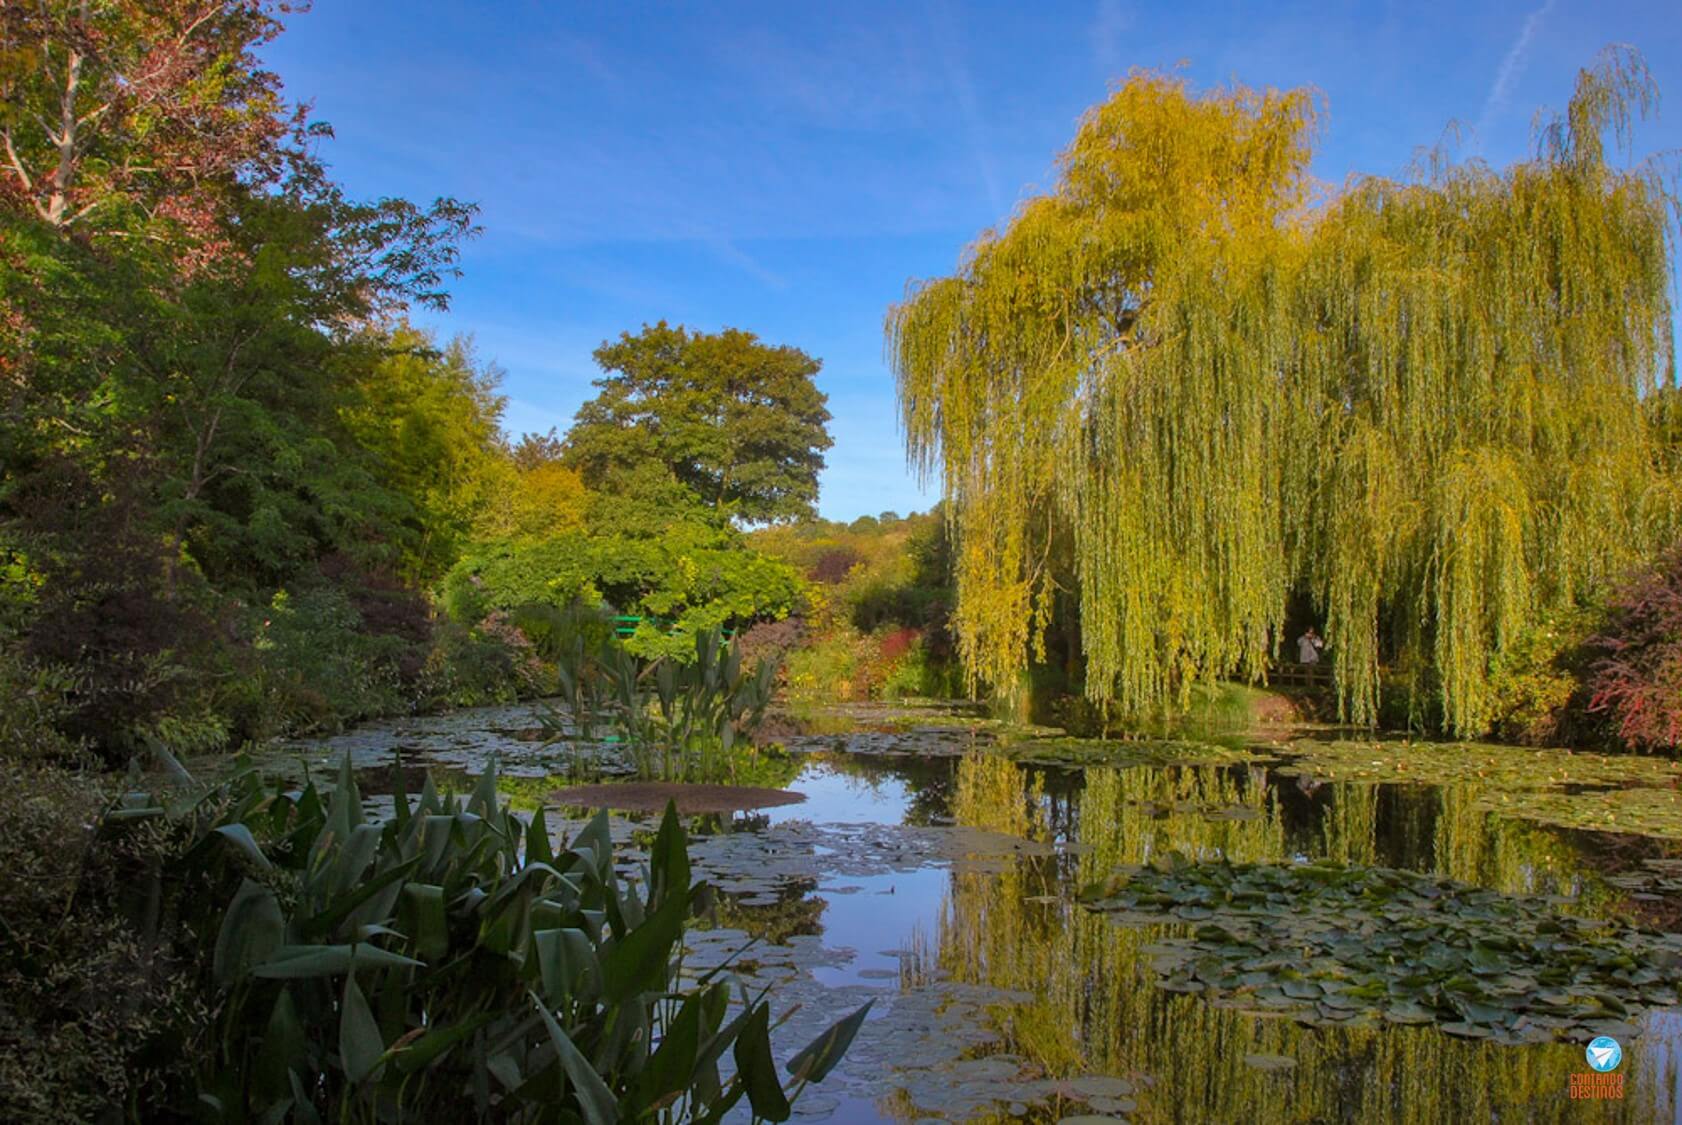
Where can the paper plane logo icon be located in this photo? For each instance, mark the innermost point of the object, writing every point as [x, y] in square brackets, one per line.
[1604, 1053]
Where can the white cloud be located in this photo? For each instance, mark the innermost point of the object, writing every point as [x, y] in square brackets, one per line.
[1506, 76]
[1114, 19]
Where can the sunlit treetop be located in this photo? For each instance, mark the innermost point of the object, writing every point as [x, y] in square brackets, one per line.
[738, 422]
[1183, 387]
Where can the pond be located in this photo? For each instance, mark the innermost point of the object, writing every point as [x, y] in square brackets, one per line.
[966, 879]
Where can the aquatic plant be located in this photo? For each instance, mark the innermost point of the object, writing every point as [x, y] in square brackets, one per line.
[1613, 793]
[451, 961]
[1330, 943]
[1016, 931]
[678, 720]
[1176, 385]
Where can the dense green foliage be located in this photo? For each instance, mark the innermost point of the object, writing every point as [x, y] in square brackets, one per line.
[199, 328]
[688, 578]
[739, 422]
[308, 963]
[88, 1019]
[874, 619]
[1176, 387]
[233, 477]
[687, 720]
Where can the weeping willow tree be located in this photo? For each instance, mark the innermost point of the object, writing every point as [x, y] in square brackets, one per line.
[1182, 386]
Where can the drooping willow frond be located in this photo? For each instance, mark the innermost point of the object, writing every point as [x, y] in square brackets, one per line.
[1420, 401]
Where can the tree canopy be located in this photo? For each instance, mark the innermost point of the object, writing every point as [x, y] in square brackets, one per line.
[739, 422]
[1184, 387]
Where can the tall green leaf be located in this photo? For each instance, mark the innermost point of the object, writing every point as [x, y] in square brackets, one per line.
[757, 1070]
[815, 1060]
[594, 1098]
[251, 932]
[360, 1046]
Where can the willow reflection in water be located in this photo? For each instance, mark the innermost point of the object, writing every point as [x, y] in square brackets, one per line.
[1099, 1011]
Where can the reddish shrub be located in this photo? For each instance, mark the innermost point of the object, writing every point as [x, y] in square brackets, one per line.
[770, 640]
[834, 565]
[897, 643]
[387, 607]
[1636, 676]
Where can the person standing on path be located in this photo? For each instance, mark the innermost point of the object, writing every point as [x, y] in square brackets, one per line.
[1309, 646]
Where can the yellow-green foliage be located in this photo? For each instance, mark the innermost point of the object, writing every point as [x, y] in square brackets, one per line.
[875, 606]
[542, 500]
[1179, 385]
[869, 552]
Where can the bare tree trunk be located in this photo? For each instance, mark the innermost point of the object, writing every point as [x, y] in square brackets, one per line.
[58, 199]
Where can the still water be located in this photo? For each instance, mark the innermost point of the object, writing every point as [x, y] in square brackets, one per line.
[938, 878]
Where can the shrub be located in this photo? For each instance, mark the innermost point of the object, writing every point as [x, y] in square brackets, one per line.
[918, 671]
[830, 668]
[320, 669]
[91, 1012]
[1635, 677]
[689, 579]
[141, 644]
[451, 962]
[34, 701]
[1537, 679]
[771, 640]
[466, 668]
[834, 565]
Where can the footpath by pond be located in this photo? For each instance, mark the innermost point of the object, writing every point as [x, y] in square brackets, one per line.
[1305, 929]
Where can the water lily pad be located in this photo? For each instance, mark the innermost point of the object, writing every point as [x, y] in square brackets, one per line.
[1271, 1063]
[1099, 1086]
[1622, 793]
[1373, 942]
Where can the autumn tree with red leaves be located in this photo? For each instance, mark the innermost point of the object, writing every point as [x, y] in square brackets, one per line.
[1636, 680]
[152, 108]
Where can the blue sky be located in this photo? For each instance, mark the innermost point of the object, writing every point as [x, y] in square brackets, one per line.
[788, 167]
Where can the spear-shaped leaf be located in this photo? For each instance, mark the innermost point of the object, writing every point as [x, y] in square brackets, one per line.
[815, 1060]
[594, 1098]
[360, 1046]
[757, 1069]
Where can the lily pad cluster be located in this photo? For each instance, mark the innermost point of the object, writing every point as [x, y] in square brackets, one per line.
[1081, 752]
[1634, 811]
[1442, 763]
[1621, 793]
[1327, 944]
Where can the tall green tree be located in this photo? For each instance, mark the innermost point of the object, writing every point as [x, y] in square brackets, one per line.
[186, 300]
[176, 268]
[1176, 387]
[429, 420]
[739, 422]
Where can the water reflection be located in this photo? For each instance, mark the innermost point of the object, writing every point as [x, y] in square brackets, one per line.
[1094, 979]
[1093, 1007]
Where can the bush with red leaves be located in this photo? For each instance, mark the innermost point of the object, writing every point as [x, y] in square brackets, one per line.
[387, 608]
[834, 565]
[770, 640]
[1635, 679]
[897, 643]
